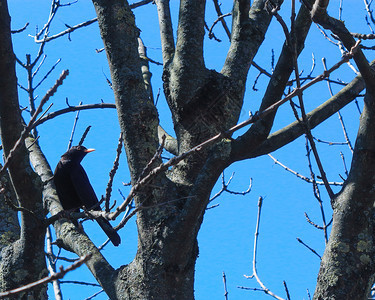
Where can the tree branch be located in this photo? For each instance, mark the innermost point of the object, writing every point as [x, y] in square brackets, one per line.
[315, 117]
[275, 89]
[136, 111]
[166, 30]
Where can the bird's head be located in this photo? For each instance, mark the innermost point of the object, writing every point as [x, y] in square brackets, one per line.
[76, 153]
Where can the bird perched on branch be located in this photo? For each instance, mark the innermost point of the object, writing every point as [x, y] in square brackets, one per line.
[74, 189]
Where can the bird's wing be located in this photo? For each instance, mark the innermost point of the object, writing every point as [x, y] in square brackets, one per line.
[83, 187]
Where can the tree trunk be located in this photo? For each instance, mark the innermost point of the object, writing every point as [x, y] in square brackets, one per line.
[23, 260]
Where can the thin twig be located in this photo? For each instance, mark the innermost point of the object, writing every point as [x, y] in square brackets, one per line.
[223, 23]
[312, 223]
[47, 74]
[225, 286]
[157, 155]
[224, 188]
[96, 294]
[79, 283]
[210, 34]
[309, 180]
[70, 29]
[112, 174]
[74, 127]
[67, 31]
[72, 109]
[369, 11]
[255, 273]
[338, 113]
[286, 290]
[316, 192]
[311, 249]
[344, 163]
[21, 29]
[84, 135]
[52, 264]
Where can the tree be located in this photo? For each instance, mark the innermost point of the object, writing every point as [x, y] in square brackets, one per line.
[171, 197]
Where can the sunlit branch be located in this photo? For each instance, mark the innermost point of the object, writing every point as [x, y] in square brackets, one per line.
[52, 264]
[255, 273]
[369, 11]
[305, 178]
[67, 31]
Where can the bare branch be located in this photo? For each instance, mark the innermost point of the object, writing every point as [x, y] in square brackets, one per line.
[369, 11]
[222, 20]
[286, 290]
[79, 283]
[309, 180]
[166, 30]
[52, 264]
[311, 249]
[21, 29]
[72, 109]
[74, 128]
[47, 74]
[293, 46]
[255, 273]
[225, 286]
[67, 31]
[140, 3]
[112, 174]
[84, 135]
[338, 113]
[224, 188]
[317, 193]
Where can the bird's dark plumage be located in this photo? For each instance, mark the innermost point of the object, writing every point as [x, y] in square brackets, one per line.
[74, 189]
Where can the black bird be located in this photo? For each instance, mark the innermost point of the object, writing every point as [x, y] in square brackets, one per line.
[74, 189]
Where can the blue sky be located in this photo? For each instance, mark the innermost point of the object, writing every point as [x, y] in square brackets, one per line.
[227, 233]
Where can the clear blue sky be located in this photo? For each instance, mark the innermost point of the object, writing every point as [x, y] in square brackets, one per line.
[227, 234]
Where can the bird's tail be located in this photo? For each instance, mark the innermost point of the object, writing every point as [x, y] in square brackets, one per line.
[109, 231]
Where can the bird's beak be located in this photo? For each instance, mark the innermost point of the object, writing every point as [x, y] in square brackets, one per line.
[89, 150]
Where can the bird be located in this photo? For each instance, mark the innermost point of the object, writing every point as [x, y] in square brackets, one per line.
[75, 190]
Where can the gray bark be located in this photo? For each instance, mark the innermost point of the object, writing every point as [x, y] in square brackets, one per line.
[203, 103]
[347, 268]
